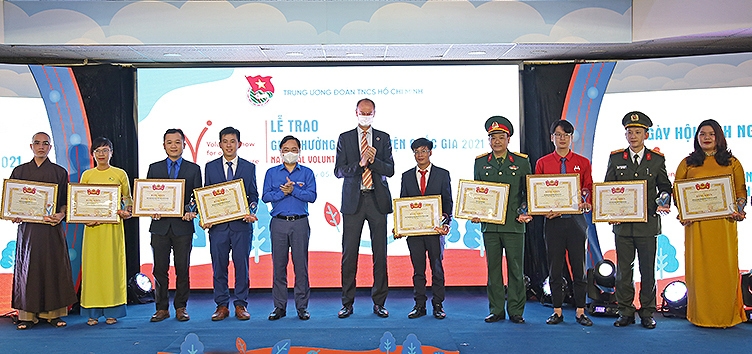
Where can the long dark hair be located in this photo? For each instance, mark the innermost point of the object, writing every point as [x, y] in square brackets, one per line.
[722, 155]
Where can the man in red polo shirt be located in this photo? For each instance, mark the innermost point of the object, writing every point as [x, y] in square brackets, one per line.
[566, 234]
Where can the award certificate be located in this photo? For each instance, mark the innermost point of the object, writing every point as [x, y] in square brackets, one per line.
[554, 192]
[623, 201]
[93, 203]
[484, 200]
[158, 196]
[704, 198]
[30, 201]
[417, 215]
[222, 202]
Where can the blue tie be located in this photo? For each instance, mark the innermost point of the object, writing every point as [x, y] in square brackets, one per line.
[173, 167]
[229, 171]
[563, 165]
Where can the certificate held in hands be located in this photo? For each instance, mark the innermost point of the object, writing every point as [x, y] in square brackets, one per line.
[623, 201]
[222, 202]
[705, 198]
[28, 200]
[417, 215]
[559, 193]
[484, 200]
[158, 196]
[93, 203]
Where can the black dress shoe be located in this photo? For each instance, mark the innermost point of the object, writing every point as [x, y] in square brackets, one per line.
[380, 311]
[624, 321]
[584, 320]
[345, 312]
[304, 315]
[494, 318]
[438, 312]
[417, 311]
[648, 322]
[555, 319]
[277, 314]
[516, 319]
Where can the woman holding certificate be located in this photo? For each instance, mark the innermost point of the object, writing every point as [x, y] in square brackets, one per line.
[103, 279]
[711, 246]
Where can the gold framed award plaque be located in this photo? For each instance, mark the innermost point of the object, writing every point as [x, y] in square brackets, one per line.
[559, 193]
[221, 202]
[417, 215]
[93, 203]
[623, 201]
[705, 198]
[28, 200]
[484, 200]
[158, 196]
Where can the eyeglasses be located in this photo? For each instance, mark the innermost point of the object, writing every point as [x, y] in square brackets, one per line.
[45, 143]
[293, 150]
[420, 152]
[559, 136]
[102, 151]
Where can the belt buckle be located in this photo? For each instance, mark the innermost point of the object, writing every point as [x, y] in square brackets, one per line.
[290, 218]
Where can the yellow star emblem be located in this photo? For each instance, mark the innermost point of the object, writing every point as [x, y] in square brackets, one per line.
[261, 84]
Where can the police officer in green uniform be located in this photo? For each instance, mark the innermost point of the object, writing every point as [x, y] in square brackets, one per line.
[504, 166]
[638, 163]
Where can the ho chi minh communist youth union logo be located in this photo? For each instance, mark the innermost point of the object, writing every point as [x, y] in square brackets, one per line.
[261, 90]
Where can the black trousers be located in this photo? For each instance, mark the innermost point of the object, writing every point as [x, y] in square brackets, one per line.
[161, 246]
[625, 289]
[567, 237]
[352, 230]
[434, 246]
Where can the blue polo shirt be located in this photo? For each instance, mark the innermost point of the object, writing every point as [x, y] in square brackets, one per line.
[295, 203]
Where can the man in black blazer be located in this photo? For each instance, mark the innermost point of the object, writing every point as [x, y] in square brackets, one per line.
[173, 233]
[427, 179]
[364, 160]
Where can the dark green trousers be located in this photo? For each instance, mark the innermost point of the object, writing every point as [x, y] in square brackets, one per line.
[625, 290]
[514, 244]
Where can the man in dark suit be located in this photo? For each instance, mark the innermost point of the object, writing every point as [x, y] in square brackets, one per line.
[232, 235]
[427, 179]
[633, 164]
[173, 233]
[364, 160]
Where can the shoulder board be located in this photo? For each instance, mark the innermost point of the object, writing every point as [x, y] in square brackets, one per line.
[524, 156]
[656, 152]
[617, 151]
[482, 155]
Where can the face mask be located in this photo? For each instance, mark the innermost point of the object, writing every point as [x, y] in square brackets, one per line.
[290, 157]
[365, 120]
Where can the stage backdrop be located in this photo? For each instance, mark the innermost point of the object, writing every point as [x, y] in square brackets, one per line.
[446, 104]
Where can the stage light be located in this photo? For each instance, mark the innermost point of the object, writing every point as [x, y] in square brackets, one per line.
[747, 294]
[600, 289]
[140, 289]
[674, 302]
[546, 297]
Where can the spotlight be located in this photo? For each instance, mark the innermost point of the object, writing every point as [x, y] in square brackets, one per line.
[140, 290]
[674, 302]
[600, 289]
[546, 298]
[747, 294]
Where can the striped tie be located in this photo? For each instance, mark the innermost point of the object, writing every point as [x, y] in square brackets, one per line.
[367, 179]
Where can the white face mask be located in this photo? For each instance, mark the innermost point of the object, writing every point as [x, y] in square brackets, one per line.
[290, 157]
[364, 120]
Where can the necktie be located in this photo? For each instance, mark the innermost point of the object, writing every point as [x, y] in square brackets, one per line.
[367, 179]
[636, 159]
[422, 181]
[173, 167]
[229, 171]
[563, 165]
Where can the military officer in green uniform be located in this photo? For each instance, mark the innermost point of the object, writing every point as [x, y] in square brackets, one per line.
[638, 163]
[504, 166]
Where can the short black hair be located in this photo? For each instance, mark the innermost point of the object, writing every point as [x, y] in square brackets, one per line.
[564, 124]
[421, 142]
[229, 130]
[288, 138]
[99, 142]
[173, 131]
[365, 100]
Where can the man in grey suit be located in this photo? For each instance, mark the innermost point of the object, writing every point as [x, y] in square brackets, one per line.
[173, 233]
[364, 160]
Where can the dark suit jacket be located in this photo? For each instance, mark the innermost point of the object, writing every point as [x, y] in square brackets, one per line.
[214, 173]
[652, 168]
[439, 183]
[347, 166]
[191, 173]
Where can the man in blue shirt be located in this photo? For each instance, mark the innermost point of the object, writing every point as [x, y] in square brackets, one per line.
[290, 187]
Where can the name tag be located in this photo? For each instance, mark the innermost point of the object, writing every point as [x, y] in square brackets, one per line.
[621, 167]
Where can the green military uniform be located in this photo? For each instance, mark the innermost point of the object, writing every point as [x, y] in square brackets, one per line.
[510, 169]
[639, 236]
